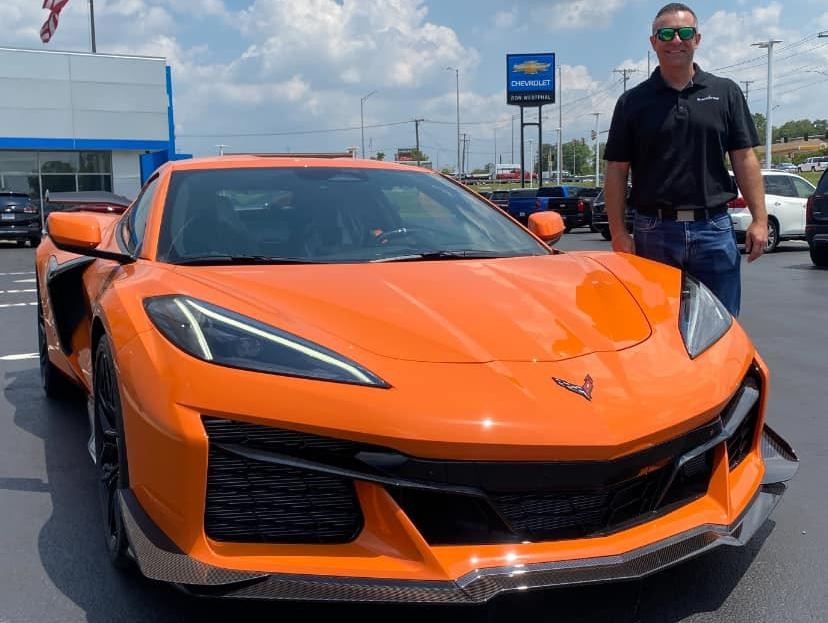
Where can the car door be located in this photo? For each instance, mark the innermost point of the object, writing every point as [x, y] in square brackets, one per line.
[804, 189]
[782, 202]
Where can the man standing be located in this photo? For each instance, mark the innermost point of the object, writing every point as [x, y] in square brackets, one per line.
[671, 132]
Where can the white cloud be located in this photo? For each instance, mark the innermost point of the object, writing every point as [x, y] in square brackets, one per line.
[505, 19]
[575, 14]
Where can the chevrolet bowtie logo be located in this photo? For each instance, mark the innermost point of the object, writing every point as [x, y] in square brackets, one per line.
[531, 67]
[584, 390]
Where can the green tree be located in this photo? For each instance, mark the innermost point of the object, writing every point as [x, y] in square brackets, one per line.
[578, 157]
[759, 122]
[380, 155]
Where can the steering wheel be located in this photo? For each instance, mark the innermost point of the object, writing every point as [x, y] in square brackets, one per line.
[399, 232]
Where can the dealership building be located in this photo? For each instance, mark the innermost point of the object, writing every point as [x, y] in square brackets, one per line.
[77, 121]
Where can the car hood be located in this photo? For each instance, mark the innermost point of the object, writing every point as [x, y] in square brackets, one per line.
[542, 308]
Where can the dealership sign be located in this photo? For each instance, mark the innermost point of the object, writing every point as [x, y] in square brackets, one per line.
[530, 79]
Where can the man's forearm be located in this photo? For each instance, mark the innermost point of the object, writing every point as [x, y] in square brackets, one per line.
[615, 194]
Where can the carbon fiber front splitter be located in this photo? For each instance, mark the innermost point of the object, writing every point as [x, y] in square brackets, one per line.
[159, 559]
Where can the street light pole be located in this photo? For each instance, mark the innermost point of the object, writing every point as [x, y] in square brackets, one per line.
[457, 82]
[768, 124]
[597, 144]
[362, 120]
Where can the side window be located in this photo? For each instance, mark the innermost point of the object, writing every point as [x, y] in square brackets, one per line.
[803, 188]
[822, 185]
[779, 185]
[135, 221]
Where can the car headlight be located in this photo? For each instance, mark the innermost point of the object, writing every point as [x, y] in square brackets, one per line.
[703, 320]
[223, 337]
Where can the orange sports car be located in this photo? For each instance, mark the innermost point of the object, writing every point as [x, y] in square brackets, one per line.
[353, 380]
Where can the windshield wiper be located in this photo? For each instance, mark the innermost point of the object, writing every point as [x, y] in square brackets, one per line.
[444, 254]
[206, 260]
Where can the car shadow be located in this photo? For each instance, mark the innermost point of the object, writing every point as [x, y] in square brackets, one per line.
[72, 554]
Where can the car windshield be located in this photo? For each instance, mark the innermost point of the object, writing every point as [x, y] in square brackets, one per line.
[330, 214]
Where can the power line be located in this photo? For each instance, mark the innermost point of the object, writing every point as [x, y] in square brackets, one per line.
[295, 132]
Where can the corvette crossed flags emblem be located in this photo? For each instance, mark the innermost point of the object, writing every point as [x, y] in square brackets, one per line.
[584, 390]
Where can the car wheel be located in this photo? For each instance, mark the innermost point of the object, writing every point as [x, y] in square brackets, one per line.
[55, 384]
[34, 241]
[21, 243]
[819, 255]
[773, 236]
[606, 234]
[110, 453]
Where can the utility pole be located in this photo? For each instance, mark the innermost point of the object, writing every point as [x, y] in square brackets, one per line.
[648, 63]
[92, 25]
[597, 138]
[417, 137]
[747, 84]
[559, 95]
[221, 147]
[768, 124]
[457, 82]
[625, 72]
[362, 121]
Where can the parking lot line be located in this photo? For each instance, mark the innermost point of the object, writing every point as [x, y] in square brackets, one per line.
[18, 357]
[17, 291]
[28, 272]
[2, 305]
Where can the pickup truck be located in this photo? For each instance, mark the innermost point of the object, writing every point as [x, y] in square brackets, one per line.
[600, 220]
[521, 203]
[569, 201]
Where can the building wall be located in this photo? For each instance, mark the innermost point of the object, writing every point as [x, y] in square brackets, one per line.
[126, 173]
[49, 96]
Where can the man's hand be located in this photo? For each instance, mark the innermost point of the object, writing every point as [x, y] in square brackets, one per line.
[756, 238]
[623, 243]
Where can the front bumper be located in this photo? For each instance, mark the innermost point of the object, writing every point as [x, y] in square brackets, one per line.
[158, 558]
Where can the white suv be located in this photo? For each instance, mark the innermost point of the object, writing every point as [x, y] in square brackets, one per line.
[814, 163]
[785, 197]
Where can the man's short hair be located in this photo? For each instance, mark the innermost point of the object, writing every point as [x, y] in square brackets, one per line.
[675, 7]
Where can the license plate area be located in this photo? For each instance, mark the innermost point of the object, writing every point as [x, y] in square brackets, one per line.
[7, 217]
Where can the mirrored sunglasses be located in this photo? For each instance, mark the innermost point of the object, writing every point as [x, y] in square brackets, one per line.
[685, 33]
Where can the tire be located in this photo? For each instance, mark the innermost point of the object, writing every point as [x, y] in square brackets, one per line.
[33, 242]
[55, 385]
[819, 255]
[21, 243]
[110, 454]
[773, 236]
[606, 234]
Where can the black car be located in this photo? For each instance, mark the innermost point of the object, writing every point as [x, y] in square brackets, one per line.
[816, 222]
[19, 218]
[600, 222]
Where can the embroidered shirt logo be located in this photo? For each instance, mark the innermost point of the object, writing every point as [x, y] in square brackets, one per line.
[707, 99]
[584, 390]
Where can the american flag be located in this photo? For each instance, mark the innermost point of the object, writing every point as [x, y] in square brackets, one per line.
[50, 25]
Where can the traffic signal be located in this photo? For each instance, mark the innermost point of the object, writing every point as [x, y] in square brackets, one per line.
[594, 135]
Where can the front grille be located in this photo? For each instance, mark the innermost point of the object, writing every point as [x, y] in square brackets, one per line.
[253, 501]
[741, 442]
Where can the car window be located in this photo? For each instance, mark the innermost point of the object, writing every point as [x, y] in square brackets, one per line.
[822, 185]
[135, 220]
[330, 214]
[803, 188]
[524, 193]
[779, 185]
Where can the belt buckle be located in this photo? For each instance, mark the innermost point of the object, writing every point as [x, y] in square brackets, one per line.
[683, 216]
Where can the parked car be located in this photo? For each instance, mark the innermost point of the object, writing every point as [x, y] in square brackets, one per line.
[89, 200]
[599, 216]
[814, 163]
[787, 167]
[19, 218]
[785, 197]
[816, 222]
[500, 198]
[386, 390]
[566, 201]
[522, 203]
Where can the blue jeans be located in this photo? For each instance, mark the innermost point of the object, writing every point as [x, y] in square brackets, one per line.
[705, 249]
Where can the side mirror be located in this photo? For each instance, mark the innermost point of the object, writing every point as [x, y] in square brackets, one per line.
[548, 226]
[77, 232]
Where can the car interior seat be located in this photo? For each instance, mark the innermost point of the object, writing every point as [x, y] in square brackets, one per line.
[211, 228]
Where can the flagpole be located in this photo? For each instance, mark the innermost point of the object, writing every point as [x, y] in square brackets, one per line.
[92, 24]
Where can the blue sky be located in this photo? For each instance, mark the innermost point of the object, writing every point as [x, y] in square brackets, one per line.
[289, 75]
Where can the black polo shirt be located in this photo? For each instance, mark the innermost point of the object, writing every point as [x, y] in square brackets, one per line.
[675, 141]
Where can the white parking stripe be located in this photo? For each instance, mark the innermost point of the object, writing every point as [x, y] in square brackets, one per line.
[25, 280]
[18, 357]
[2, 305]
[17, 291]
[28, 272]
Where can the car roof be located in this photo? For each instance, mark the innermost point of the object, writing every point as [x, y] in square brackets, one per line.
[257, 161]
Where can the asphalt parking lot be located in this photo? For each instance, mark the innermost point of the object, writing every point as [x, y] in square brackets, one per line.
[54, 567]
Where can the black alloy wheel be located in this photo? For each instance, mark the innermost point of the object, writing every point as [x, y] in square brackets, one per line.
[110, 454]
